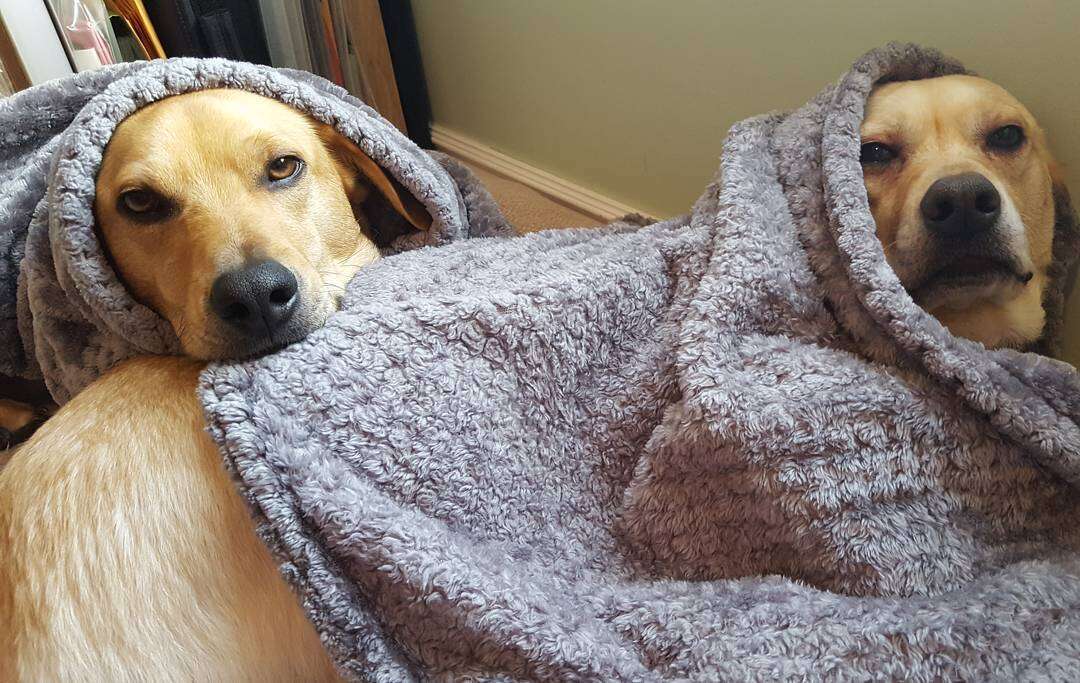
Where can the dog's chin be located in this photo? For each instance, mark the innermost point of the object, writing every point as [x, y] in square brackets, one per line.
[230, 347]
[248, 349]
[967, 281]
[222, 344]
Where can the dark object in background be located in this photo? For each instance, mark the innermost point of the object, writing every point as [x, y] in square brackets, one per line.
[404, 47]
[210, 28]
[32, 393]
[129, 46]
[11, 439]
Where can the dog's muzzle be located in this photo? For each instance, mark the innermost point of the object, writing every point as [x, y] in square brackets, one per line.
[970, 249]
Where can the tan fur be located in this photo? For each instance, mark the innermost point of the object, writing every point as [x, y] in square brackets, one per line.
[125, 551]
[939, 126]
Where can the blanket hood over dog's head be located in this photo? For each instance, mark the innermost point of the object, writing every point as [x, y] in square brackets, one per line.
[866, 293]
[64, 313]
[1027, 395]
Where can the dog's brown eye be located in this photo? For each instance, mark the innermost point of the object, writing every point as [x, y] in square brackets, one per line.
[284, 168]
[140, 201]
[1006, 138]
[876, 153]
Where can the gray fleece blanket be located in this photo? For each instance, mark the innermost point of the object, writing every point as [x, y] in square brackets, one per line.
[727, 446]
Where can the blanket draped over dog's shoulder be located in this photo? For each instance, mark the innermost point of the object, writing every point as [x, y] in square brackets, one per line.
[727, 446]
[64, 314]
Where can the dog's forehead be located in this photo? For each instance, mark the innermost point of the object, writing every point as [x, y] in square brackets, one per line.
[200, 127]
[222, 105]
[957, 102]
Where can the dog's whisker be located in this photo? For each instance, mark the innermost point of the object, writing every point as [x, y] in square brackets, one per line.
[180, 327]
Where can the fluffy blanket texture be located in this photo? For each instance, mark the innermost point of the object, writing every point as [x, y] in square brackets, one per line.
[64, 314]
[725, 446]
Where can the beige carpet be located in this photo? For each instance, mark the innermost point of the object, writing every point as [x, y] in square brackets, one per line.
[527, 209]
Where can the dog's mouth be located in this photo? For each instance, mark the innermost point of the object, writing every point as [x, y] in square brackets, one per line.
[971, 268]
[224, 342]
[271, 344]
[229, 347]
[963, 279]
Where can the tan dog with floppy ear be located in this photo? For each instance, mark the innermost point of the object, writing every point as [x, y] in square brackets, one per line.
[238, 218]
[125, 552]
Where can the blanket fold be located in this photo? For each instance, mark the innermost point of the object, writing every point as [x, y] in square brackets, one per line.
[725, 446]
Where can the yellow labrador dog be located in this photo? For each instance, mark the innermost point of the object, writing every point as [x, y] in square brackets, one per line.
[960, 184]
[130, 555]
[125, 552]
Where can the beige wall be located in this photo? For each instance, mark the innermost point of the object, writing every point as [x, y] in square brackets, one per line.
[632, 97]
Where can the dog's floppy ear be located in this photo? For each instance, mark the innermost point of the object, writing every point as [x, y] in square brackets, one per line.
[354, 165]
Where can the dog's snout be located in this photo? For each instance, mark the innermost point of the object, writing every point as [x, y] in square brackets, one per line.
[257, 299]
[961, 206]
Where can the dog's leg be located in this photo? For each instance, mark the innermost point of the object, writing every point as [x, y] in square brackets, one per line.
[127, 555]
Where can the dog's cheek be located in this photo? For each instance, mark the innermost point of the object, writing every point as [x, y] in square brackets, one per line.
[196, 330]
[342, 232]
[880, 209]
[1039, 228]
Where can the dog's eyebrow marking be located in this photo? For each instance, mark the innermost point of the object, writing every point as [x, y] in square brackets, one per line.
[273, 142]
[888, 132]
[138, 175]
[1002, 116]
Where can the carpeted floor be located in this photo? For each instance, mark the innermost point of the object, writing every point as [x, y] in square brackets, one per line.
[528, 209]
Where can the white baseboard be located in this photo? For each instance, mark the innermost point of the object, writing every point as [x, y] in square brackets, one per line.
[550, 185]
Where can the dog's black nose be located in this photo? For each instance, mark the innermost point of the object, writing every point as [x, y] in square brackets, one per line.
[961, 206]
[257, 299]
